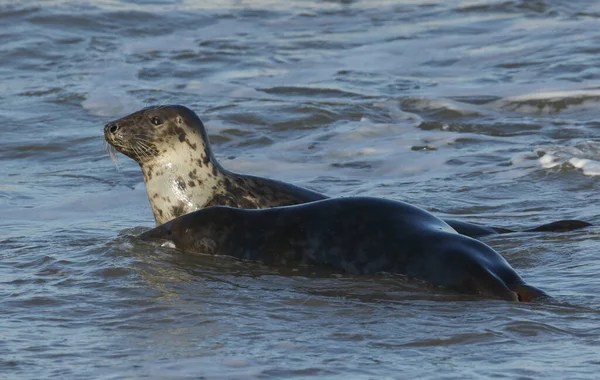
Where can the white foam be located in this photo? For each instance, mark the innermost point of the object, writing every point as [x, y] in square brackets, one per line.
[554, 95]
[581, 157]
[589, 167]
[579, 163]
[168, 244]
[548, 161]
[551, 102]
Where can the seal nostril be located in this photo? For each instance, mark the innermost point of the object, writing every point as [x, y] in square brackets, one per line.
[113, 128]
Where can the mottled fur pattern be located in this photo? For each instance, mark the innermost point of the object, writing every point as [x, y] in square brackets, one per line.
[181, 173]
[353, 235]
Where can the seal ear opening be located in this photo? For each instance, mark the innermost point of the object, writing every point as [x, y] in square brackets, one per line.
[528, 293]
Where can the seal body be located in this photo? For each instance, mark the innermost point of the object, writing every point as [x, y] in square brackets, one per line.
[182, 175]
[354, 235]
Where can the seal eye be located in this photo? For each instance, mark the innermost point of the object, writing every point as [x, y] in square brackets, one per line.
[156, 120]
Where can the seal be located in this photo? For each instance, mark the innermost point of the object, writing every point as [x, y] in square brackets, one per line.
[352, 235]
[182, 175]
[180, 171]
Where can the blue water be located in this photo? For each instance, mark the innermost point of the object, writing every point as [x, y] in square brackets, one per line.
[485, 111]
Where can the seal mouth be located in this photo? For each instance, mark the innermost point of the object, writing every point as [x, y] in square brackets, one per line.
[137, 147]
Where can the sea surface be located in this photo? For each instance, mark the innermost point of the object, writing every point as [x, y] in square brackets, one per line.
[483, 111]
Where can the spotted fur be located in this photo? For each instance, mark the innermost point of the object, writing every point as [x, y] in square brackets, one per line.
[181, 173]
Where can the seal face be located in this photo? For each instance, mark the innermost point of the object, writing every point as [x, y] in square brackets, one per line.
[354, 235]
[181, 173]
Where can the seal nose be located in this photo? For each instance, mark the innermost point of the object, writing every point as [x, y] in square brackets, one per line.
[111, 128]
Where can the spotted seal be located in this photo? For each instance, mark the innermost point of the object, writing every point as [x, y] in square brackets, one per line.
[182, 175]
[353, 235]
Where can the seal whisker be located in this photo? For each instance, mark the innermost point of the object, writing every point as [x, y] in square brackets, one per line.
[164, 104]
[147, 147]
[142, 138]
[112, 152]
[144, 149]
[143, 152]
[135, 150]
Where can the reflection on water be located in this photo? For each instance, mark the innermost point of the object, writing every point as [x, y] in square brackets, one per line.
[482, 111]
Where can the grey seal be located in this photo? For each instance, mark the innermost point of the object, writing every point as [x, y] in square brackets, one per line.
[182, 175]
[353, 235]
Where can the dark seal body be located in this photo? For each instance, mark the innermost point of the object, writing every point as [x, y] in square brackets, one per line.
[354, 235]
[182, 175]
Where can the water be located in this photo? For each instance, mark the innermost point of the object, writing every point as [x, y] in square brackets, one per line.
[485, 111]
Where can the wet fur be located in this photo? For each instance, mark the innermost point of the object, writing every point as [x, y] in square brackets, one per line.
[354, 235]
[181, 173]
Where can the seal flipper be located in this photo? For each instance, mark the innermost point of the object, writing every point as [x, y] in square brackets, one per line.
[528, 293]
[475, 231]
[560, 226]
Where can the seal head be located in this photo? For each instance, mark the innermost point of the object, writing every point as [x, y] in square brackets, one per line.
[139, 135]
[170, 145]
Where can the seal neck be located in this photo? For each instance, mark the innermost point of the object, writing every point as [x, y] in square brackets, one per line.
[180, 183]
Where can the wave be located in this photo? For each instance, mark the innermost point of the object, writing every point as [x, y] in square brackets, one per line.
[551, 102]
[584, 156]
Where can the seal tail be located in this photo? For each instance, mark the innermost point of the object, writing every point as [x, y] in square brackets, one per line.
[528, 293]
